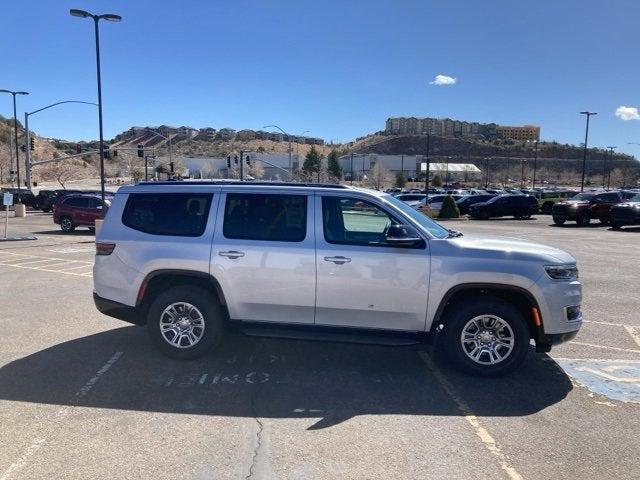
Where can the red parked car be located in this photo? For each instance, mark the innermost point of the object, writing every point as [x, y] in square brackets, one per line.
[74, 211]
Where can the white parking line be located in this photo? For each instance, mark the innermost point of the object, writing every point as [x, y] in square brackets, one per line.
[634, 332]
[630, 350]
[484, 435]
[37, 443]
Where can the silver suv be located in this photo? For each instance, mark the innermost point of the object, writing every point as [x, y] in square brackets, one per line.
[330, 262]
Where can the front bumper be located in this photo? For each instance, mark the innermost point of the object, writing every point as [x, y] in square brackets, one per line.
[118, 310]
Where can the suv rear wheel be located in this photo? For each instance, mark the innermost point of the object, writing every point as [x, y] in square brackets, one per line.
[487, 337]
[66, 224]
[185, 322]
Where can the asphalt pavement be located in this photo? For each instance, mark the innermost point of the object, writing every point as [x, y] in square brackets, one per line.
[86, 396]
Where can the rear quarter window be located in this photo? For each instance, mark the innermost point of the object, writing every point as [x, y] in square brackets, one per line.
[174, 214]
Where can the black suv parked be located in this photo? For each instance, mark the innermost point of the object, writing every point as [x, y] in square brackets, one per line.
[26, 196]
[518, 206]
[585, 206]
[464, 203]
[627, 213]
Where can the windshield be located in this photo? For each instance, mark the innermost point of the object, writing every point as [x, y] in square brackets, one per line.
[583, 196]
[635, 198]
[425, 222]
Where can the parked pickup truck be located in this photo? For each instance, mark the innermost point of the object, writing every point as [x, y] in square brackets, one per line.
[325, 262]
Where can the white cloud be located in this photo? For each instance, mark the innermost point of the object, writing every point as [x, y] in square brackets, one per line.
[443, 80]
[627, 113]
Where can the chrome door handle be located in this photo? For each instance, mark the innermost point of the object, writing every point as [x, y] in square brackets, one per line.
[339, 260]
[231, 254]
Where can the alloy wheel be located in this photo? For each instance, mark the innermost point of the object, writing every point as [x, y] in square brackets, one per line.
[487, 339]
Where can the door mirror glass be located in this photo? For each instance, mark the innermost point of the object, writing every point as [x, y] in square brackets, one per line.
[403, 236]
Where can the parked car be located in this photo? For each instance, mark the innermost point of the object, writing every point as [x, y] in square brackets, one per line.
[585, 206]
[517, 206]
[410, 197]
[548, 198]
[626, 213]
[191, 259]
[465, 202]
[26, 196]
[73, 211]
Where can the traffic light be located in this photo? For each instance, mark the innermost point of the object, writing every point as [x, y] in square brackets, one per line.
[140, 150]
[107, 154]
[235, 159]
[32, 144]
[228, 161]
[23, 148]
[248, 160]
[78, 148]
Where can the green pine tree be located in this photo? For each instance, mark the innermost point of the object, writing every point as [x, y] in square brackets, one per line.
[449, 208]
[333, 166]
[311, 163]
[400, 180]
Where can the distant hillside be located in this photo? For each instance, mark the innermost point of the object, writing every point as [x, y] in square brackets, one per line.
[558, 159]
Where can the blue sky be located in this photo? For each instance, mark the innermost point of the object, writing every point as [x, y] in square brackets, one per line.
[336, 68]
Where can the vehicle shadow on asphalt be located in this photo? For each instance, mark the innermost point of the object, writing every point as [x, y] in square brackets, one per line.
[251, 377]
[83, 232]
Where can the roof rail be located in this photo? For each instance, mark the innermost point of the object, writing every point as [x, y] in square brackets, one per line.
[238, 182]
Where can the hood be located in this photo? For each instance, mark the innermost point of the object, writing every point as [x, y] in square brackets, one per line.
[573, 202]
[627, 205]
[519, 249]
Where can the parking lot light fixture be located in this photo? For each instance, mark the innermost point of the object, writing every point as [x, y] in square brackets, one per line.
[96, 18]
[584, 153]
[15, 133]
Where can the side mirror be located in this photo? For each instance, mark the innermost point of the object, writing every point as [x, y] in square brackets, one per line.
[403, 236]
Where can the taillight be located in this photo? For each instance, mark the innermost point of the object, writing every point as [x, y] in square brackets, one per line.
[104, 248]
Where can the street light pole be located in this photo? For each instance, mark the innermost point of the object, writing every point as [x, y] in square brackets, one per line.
[289, 137]
[27, 155]
[584, 154]
[426, 177]
[96, 18]
[15, 133]
[535, 164]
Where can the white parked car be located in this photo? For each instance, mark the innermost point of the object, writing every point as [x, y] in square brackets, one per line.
[190, 259]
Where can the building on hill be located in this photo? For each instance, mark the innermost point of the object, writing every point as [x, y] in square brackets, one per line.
[525, 133]
[447, 127]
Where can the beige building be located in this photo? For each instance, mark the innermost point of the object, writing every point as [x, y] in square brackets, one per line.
[527, 132]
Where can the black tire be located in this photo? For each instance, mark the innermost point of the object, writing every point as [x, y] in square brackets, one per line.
[451, 345]
[46, 209]
[559, 220]
[604, 220]
[616, 226]
[66, 225]
[583, 219]
[546, 208]
[207, 306]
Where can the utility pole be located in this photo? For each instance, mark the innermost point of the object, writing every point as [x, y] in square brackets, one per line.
[351, 168]
[426, 177]
[584, 154]
[535, 164]
[611, 148]
[522, 173]
[486, 184]
[241, 166]
[402, 165]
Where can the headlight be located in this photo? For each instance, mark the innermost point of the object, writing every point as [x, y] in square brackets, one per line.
[562, 272]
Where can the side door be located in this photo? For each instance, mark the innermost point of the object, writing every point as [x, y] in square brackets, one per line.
[363, 281]
[79, 210]
[263, 255]
[94, 211]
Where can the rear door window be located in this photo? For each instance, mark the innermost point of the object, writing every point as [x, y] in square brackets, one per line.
[265, 217]
[177, 214]
[78, 202]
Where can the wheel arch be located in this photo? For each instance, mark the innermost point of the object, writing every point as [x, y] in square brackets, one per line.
[521, 298]
[159, 280]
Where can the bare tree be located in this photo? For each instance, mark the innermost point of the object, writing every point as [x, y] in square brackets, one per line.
[62, 172]
[379, 177]
[256, 169]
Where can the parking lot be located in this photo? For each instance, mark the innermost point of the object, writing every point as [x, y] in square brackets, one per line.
[86, 396]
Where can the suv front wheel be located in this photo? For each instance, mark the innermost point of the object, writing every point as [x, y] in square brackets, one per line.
[486, 337]
[185, 322]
